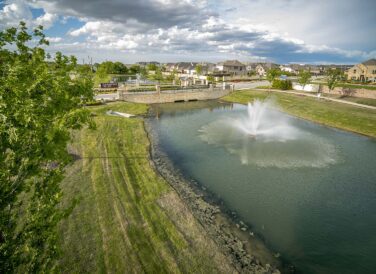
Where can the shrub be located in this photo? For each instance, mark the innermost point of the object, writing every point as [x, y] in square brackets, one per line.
[282, 84]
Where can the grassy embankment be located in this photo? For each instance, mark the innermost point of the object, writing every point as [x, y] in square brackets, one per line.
[333, 114]
[128, 220]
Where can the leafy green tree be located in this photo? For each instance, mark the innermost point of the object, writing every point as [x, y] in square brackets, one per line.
[102, 74]
[40, 103]
[210, 78]
[134, 69]
[144, 73]
[332, 78]
[158, 75]
[251, 73]
[106, 68]
[198, 69]
[304, 78]
[151, 67]
[272, 74]
[119, 68]
[171, 76]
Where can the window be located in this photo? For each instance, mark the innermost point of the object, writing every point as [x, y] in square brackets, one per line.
[354, 70]
[374, 71]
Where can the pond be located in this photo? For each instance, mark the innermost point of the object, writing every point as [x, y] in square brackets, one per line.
[312, 197]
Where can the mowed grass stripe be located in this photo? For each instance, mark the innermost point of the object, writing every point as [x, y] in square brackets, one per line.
[149, 217]
[119, 226]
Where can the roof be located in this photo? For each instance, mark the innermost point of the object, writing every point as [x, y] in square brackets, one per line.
[231, 63]
[148, 63]
[186, 65]
[268, 65]
[370, 62]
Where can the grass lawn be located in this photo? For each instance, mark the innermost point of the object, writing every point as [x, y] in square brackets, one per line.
[322, 111]
[128, 219]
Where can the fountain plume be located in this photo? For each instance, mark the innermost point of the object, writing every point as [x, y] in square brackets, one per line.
[264, 136]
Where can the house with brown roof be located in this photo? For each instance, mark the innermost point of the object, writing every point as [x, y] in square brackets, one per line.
[233, 67]
[364, 72]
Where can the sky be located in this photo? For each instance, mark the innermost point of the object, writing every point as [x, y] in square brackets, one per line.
[280, 31]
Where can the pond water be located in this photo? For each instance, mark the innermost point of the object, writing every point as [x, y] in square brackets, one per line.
[313, 198]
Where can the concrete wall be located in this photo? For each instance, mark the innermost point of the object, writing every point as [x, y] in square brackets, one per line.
[309, 88]
[173, 96]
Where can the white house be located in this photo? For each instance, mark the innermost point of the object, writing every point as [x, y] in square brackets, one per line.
[287, 69]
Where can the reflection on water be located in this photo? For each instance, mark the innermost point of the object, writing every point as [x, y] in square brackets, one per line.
[173, 109]
[308, 150]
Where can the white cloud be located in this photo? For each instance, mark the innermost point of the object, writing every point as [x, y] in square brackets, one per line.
[46, 20]
[15, 11]
[281, 31]
[54, 39]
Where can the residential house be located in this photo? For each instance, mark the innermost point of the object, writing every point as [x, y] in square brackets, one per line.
[207, 68]
[262, 68]
[364, 72]
[170, 67]
[186, 68]
[250, 66]
[287, 69]
[233, 67]
[313, 69]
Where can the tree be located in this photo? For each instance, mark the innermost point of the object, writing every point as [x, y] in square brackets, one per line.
[304, 78]
[41, 102]
[151, 66]
[134, 69]
[198, 69]
[210, 78]
[272, 74]
[144, 73]
[102, 74]
[332, 78]
[251, 73]
[158, 75]
[119, 68]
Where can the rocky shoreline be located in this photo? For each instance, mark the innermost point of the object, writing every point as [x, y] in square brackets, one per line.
[247, 252]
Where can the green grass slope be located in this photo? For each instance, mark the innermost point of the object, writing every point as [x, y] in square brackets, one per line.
[128, 219]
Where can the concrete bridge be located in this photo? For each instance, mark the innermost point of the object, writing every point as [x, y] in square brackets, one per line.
[178, 95]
